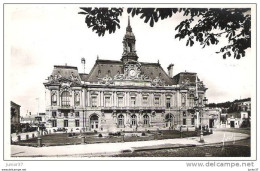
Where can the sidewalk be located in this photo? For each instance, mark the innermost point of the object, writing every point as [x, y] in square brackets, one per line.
[116, 148]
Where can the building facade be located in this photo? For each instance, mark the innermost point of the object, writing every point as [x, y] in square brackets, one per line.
[15, 117]
[123, 95]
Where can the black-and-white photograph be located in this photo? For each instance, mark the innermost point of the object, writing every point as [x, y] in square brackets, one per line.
[126, 82]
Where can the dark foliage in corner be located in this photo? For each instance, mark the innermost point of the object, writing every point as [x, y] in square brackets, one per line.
[203, 25]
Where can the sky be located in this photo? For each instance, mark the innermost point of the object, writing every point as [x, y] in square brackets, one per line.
[37, 37]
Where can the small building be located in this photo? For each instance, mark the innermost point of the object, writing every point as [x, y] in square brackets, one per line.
[213, 117]
[237, 119]
[28, 119]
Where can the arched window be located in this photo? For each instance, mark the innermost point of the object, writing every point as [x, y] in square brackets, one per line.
[133, 120]
[169, 120]
[65, 99]
[146, 120]
[94, 122]
[99, 72]
[120, 120]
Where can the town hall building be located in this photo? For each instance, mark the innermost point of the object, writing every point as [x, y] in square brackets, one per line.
[124, 95]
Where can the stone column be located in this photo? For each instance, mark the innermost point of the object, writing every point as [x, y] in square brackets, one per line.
[84, 97]
[98, 99]
[102, 98]
[124, 99]
[112, 99]
[138, 100]
[81, 98]
[163, 100]
[58, 98]
[72, 99]
[127, 99]
[88, 98]
[151, 99]
[115, 99]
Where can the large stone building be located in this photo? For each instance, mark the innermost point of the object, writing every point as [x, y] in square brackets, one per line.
[123, 95]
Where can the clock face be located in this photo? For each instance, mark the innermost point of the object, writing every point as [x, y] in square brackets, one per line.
[132, 73]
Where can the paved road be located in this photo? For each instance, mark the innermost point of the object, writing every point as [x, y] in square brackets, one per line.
[116, 148]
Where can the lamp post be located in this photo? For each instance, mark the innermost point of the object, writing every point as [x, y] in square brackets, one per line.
[198, 110]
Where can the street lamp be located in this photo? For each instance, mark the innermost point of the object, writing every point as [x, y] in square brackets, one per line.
[198, 109]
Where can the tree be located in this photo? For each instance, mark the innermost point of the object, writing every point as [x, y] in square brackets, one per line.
[13, 112]
[203, 25]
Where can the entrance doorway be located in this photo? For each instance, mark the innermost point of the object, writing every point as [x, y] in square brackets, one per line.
[211, 123]
[169, 120]
[232, 124]
[94, 122]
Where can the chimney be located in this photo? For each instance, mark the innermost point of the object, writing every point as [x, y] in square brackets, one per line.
[170, 70]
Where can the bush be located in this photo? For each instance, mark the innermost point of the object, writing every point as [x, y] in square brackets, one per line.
[114, 134]
[148, 132]
[95, 131]
[143, 134]
[100, 135]
[71, 134]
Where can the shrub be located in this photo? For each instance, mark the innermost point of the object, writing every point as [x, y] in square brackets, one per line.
[143, 134]
[148, 131]
[95, 131]
[99, 135]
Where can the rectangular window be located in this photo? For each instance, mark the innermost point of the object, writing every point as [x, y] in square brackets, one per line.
[54, 114]
[65, 99]
[54, 100]
[191, 100]
[77, 100]
[183, 100]
[93, 101]
[65, 114]
[184, 114]
[54, 123]
[156, 101]
[107, 101]
[192, 121]
[77, 123]
[77, 114]
[200, 100]
[132, 103]
[65, 123]
[120, 102]
[145, 101]
[184, 122]
[168, 102]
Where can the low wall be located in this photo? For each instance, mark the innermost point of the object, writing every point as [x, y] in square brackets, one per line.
[24, 136]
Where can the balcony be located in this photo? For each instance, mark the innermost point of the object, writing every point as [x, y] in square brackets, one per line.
[133, 108]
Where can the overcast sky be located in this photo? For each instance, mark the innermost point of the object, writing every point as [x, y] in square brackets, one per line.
[37, 37]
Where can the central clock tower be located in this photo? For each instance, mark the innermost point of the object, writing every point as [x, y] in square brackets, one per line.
[129, 53]
[132, 69]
